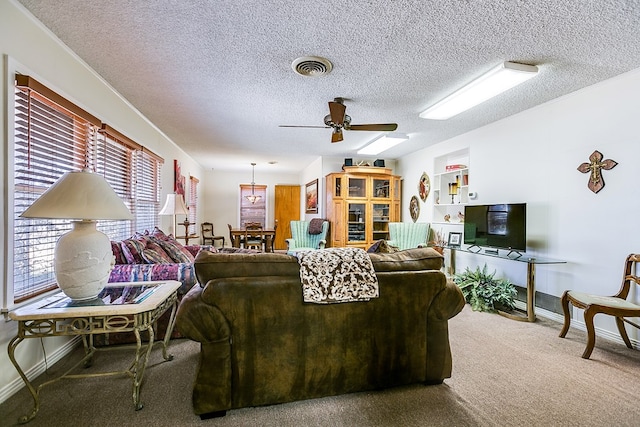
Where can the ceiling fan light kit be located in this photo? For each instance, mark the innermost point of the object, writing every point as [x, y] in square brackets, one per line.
[383, 143]
[338, 120]
[495, 81]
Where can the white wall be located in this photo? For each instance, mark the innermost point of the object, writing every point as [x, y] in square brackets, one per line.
[221, 195]
[28, 47]
[533, 157]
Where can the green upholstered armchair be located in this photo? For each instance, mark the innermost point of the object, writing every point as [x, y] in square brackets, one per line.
[301, 240]
[406, 235]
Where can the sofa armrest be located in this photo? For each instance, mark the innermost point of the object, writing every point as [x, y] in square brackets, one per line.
[291, 244]
[200, 321]
[448, 303]
[207, 325]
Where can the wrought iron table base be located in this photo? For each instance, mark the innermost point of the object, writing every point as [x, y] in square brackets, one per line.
[88, 326]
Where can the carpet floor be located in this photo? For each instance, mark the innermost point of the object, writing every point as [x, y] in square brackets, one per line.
[505, 373]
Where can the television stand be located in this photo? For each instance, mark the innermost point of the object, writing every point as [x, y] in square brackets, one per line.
[529, 314]
[513, 251]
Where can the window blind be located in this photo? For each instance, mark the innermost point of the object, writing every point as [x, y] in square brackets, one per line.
[54, 136]
[193, 203]
[253, 212]
[49, 140]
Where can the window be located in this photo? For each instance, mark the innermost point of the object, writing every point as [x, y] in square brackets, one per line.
[193, 203]
[53, 136]
[253, 212]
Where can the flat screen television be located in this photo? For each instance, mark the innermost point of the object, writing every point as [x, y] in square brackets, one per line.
[502, 226]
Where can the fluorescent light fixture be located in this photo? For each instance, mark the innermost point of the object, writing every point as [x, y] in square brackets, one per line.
[383, 143]
[499, 79]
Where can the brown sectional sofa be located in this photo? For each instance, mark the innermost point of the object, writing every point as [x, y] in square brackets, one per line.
[260, 344]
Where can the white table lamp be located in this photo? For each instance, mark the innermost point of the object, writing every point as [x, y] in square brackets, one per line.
[83, 258]
[175, 206]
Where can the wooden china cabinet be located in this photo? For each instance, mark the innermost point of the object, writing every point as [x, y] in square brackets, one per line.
[361, 201]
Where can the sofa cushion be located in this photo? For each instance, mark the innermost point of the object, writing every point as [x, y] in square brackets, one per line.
[407, 260]
[211, 266]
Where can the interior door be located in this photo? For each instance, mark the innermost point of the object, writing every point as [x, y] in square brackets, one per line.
[287, 208]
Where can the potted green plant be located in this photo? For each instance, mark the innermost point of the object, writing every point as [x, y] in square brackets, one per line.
[484, 292]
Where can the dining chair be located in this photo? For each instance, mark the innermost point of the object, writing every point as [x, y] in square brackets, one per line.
[236, 240]
[253, 236]
[206, 230]
[617, 306]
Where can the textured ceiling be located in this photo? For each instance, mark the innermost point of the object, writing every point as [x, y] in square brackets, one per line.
[216, 77]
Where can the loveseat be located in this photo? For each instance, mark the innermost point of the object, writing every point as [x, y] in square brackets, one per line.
[261, 344]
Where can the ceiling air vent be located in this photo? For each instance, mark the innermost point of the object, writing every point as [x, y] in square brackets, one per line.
[311, 66]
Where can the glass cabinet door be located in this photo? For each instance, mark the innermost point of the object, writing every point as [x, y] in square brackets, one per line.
[357, 187]
[356, 222]
[380, 221]
[381, 189]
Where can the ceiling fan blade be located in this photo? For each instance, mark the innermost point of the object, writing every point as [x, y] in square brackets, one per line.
[336, 111]
[336, 136]
[301, 126]
[381, 127]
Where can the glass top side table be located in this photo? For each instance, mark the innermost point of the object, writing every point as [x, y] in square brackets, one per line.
[120, 307]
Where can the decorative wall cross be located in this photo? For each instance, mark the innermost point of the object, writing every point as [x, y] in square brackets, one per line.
[596, 182]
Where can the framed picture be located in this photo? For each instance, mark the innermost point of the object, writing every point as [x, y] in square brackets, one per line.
[424, 186]
[311, 197]
[414, 208]
[455, 239]
[179, 180]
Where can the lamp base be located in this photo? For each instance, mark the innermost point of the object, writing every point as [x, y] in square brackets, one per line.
[83, 260]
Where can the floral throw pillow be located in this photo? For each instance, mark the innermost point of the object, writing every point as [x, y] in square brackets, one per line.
[132, 250]
[116, 248]
[154, 254]
[176, 251]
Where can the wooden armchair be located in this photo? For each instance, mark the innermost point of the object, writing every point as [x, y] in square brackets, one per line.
[206, 230]
[616, 305]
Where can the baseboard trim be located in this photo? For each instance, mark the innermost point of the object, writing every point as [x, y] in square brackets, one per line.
[16, 385]
[580, 325]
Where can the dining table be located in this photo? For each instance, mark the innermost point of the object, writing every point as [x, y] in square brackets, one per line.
[238, 233]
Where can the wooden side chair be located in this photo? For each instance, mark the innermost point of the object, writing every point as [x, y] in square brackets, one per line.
[206, 230]
[616, 305]
[253, 236]
[236, 241]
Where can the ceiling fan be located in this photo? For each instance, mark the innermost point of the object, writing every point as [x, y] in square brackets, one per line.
[338, 120]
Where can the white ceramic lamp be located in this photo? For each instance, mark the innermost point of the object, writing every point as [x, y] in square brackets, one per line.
[83, 258]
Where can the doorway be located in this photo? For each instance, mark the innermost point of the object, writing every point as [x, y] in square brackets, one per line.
[286, 209]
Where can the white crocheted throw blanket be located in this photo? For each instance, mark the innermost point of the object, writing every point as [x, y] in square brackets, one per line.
[335, 275]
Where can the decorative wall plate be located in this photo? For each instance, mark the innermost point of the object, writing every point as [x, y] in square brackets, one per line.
[424, 186]
[414, 208]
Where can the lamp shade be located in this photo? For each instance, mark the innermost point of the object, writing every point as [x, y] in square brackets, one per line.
[79, 195]
[82, 258]
[174, 205]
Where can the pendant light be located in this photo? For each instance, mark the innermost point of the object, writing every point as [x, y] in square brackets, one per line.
[253, 198]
